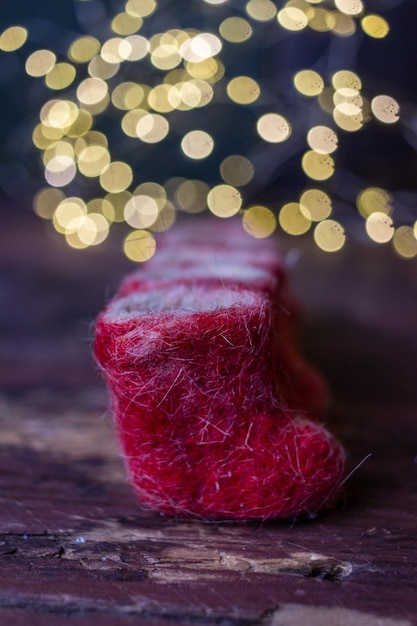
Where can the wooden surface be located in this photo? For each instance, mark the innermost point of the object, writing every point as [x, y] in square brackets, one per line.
[75, 547]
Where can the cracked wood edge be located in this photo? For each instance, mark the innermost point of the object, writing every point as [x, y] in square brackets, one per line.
[187, 553]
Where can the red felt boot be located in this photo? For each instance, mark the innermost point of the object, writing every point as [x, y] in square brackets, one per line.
[198, 404]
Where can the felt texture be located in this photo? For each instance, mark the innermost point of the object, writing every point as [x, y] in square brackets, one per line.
[212, 401]
[225, 255]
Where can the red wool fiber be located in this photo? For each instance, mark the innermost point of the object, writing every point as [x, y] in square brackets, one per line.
[215, 408]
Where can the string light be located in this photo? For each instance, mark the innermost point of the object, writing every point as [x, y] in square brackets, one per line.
[149, 85]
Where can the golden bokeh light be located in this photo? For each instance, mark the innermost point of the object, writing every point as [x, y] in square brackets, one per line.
[235, 29]
[84, 49]
[317, 166]
[191, 195]
[74, 241]
[404, 242]
[171, 185]
[211, 70]
[379, 227]
[259, 221]
[13, 38]
[322, 20]
[163, 39]
[154, 191]
[176, 76]
[166, 57]
[261, 10]
[92, 138]
[115, 50]
[69, 212]
[191, 94]
[93, 160]
[374, 199]
[130, 121]
[126, 24]
[139, 246]
[46, 201]
[292, 18]
[91, 91]
[375, 26]
[152, 128]
[59, 114]
[273, 128]
[329, 235]
[81, 125]
[116, 177]
[60, 171]
[346, 79]
[141, 211]
[385, 109]
[165, 220]
[236, 170]
[140, 8]
[59, 148]
[243, 90]
[103, 207]
[322, 139]
[68, 215]
[118, 202]
[197, 144]
[43, 136]
[164, 98]
[52, 133]
[224, 200]
[93, 229]
[201, 47]
[180, 36]
[350, 123]
[146, 83]
[60, 76]
[139, 47]
[341, 24]
[127, 96]
[39, 63]
[348, 102]
[99, 68]
[308, 83]
[315, 205]
[350, 7]
[292, 220]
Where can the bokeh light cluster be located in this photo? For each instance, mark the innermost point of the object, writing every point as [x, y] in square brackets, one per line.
[151, 117]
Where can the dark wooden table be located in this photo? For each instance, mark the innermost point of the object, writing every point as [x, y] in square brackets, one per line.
[75, 547]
